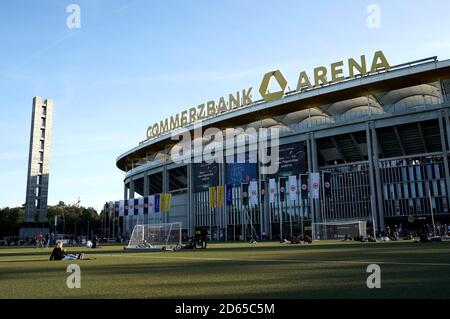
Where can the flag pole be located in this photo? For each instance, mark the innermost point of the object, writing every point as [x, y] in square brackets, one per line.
[302, 210]
[322, 206]
[290, 219]
[373, 218]
[431, 209]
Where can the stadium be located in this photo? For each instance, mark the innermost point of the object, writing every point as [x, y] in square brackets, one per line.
[377, 134]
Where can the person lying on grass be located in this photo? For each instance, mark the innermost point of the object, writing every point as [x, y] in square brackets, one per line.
[58, 253]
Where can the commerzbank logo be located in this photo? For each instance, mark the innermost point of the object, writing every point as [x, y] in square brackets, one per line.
[282, 82]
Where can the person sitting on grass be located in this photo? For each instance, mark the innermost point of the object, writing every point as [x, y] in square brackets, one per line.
[307, 239]
[144, 244]
[58, 253]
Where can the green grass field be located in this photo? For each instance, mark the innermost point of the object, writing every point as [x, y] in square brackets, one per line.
[236, 270]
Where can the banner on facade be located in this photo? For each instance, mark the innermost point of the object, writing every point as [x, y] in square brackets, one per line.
[282, 184]
[121, 208]
[272, 190]
[292, 160]
[151, 204]
[131, 207]
[314, 179]
[326, 183]
[141, 206]
[229, 190]
[253, 193]
[220, 196]
[205, 175]
[304, 185]
[168, 203]
[157, 203]
[244, 188]
[212, 197]
[292, 188]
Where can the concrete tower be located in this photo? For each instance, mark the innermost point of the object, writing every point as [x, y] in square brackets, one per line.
[38, 169]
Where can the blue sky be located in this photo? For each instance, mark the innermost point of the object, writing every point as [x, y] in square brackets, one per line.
[133, 63]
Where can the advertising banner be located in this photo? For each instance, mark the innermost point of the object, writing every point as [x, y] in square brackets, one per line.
[238, 173]
[205, 175]
[292, 160]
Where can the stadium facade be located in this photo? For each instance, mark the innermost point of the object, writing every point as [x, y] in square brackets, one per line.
[378, 137]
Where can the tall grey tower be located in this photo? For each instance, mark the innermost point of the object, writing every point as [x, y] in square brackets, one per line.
[38, 169]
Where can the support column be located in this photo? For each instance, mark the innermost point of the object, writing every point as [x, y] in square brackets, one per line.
[131, 193]
[165, 190]
[379, 188]
[125, 190]
[373, 198]
[146, 192]
[444, 152]
[219, 210]
[447, 126]
[146, 184]
[310, 170]
[190, 196]
[123, 227]
[131, 221]
[224, 206]
[315, 169]
[263, 225]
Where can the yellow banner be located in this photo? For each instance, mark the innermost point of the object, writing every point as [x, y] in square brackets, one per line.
[212, 197]
[220, 191]
[168, 201]
[162, 203]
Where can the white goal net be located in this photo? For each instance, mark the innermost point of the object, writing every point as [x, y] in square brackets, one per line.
[339, 230]
[165, 236]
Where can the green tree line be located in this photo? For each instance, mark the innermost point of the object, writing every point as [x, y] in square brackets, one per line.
[70, 219]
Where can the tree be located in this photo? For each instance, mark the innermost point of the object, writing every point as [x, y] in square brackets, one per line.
[10, 220]
[71, 219]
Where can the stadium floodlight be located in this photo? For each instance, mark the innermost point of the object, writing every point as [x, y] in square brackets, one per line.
[164, 236]
[339, 230]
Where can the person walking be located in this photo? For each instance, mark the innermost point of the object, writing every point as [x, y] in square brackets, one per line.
[47, 240]
[40, 242]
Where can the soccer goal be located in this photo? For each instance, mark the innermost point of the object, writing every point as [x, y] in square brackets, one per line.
[165, 236]
[338, 230]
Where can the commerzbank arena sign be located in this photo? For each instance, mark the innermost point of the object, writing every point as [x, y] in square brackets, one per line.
[321, 75]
